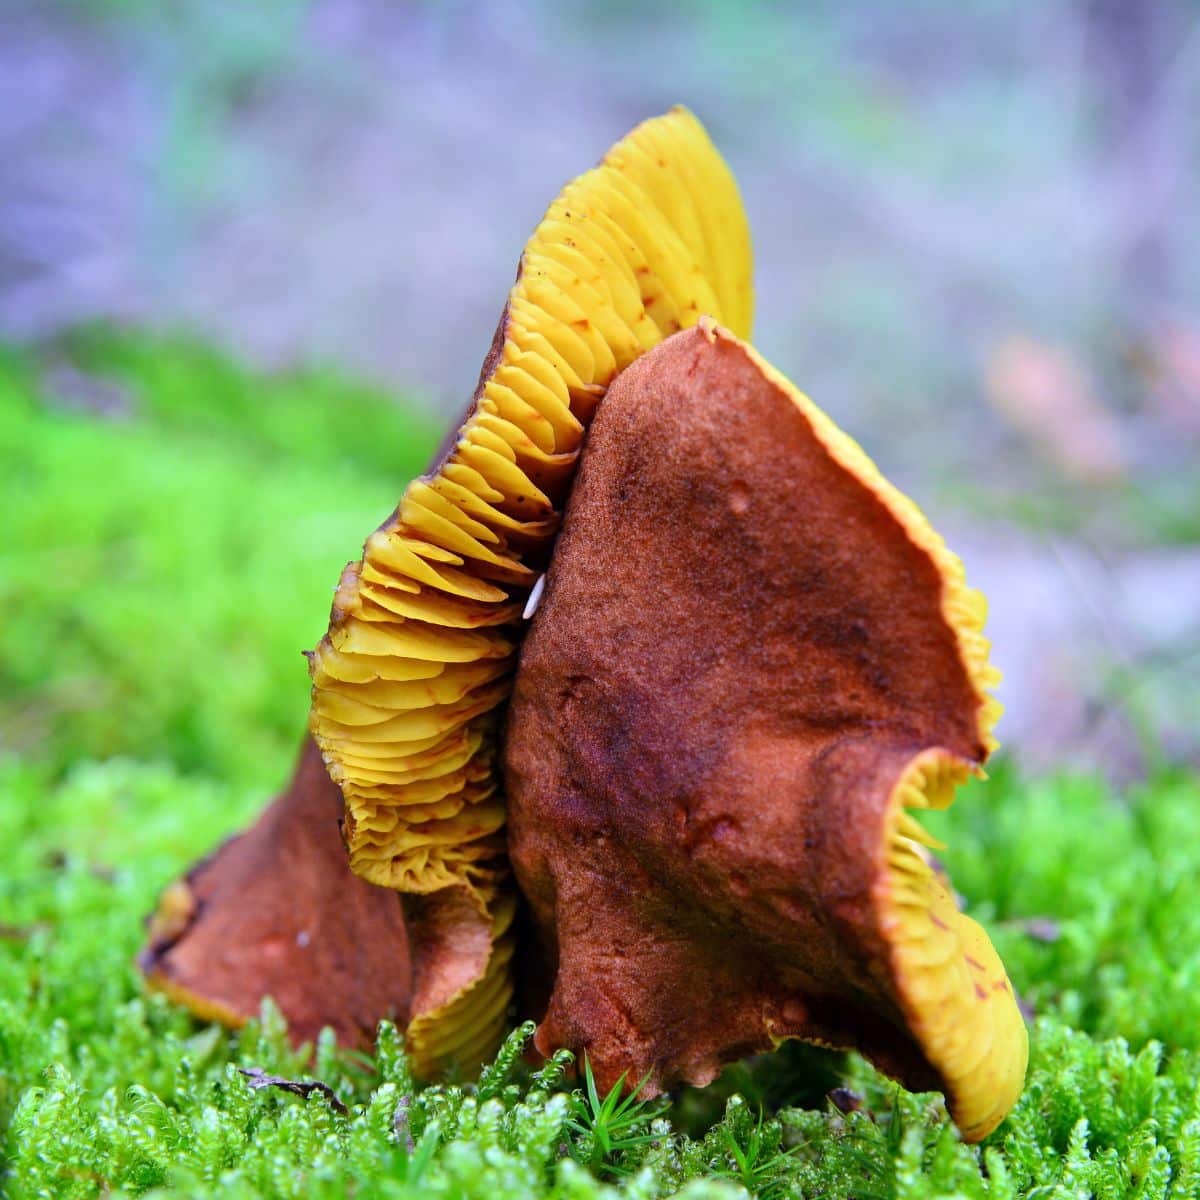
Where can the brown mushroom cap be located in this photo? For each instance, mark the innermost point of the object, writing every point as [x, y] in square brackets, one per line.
[751, 658]
[276, 911]
[422, 640]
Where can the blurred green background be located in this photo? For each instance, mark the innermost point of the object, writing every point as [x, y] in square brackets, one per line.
[251, 256]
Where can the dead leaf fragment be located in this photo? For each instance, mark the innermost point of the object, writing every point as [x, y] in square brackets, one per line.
[257, 1078]
[1047, 395]
[844, 1100]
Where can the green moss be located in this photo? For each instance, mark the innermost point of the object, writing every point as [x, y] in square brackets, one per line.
[1093, 897]
[108, 1088]
[159, 574]
[162, 569]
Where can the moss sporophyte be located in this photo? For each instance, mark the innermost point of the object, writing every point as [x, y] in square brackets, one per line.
[686, 771]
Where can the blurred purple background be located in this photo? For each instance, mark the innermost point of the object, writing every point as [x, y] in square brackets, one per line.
[976, 233]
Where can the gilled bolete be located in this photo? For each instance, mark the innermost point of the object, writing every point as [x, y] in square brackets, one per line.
[422, 641]
[752, 660]
[276, 911]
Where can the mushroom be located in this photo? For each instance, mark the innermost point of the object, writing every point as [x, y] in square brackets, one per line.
[276, 911]
[419, 658]
[749, 659]
[753, 659]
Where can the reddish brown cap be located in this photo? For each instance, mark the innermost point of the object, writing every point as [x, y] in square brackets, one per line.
[751, 657]
[276, 911]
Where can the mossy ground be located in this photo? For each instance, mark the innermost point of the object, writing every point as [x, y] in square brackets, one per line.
[161, 566]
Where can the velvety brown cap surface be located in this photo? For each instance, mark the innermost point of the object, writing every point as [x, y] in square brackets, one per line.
[276, 911]
[742, 649]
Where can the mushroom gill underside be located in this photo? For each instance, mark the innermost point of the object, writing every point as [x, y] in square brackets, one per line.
[410, 680]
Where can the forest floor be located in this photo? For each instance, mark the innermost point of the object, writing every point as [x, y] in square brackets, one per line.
[173, 527]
